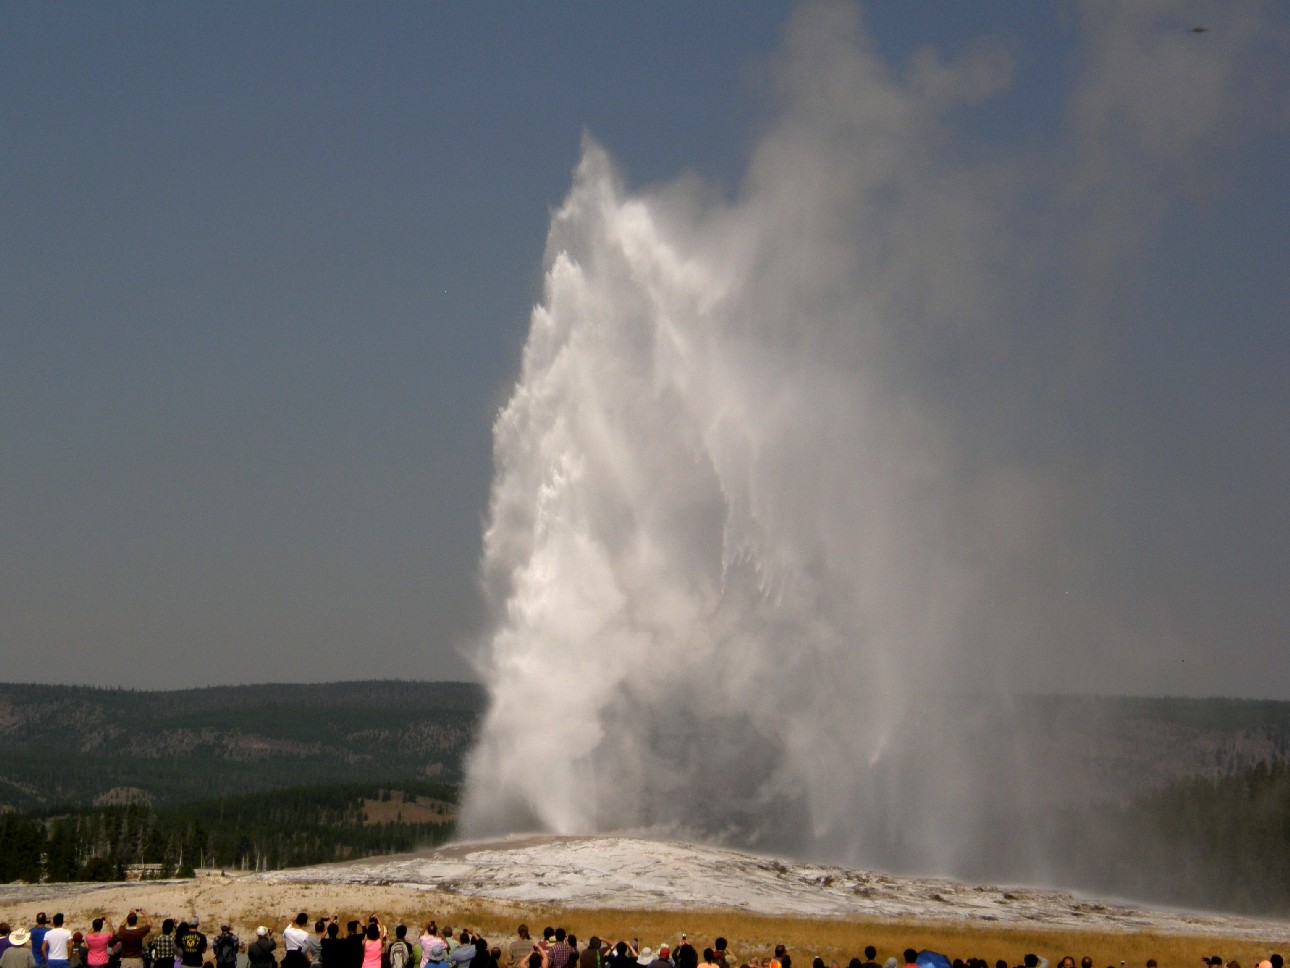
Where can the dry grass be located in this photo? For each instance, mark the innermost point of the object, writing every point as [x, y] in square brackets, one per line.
[840, 940]
[831, 939]
[246, 904]
[415, 810]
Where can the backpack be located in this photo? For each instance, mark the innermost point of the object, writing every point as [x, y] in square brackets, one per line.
[226, 950]
[400, 954]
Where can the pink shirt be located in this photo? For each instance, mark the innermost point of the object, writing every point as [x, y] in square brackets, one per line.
[371, 953]
[97, 943]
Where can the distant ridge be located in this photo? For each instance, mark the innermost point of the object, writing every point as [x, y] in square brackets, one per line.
[80, 744]
[84, 744]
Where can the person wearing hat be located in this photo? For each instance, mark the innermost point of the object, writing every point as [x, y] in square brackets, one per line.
[435, 953]
[646, 957]
[192, 944]
[18, 954]
[225, 947]
[259, 953]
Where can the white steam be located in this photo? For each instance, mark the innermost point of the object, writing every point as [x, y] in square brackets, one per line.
[756, 514]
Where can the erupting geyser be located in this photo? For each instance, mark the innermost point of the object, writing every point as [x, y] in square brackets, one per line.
[750, 527]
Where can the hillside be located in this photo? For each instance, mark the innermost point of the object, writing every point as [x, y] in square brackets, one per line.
[1121, 746]
[84, 746]
[78, 745]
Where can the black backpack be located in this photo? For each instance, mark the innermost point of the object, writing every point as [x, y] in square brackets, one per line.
[226, 949]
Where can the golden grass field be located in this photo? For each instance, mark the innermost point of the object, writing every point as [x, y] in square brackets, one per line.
[246, 903]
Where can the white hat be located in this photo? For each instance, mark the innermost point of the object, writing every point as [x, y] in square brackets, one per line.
[647, 956]
[19, 936]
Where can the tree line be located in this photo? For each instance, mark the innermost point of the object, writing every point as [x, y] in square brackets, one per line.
[1218, 843]
[285, 828]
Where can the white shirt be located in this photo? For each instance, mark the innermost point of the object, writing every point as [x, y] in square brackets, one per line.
[58, 940]
[293, 938]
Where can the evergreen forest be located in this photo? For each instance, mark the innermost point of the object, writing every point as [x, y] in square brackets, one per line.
[284, 828]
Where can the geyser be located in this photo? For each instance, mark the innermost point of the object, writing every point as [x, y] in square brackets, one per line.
[759, 561]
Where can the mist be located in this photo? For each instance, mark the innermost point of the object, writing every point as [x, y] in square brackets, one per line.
[802, 481]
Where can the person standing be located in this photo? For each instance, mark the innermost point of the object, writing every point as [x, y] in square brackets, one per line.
[313, 947]
[353, 945]
[557, 953]
[57, 942]
[294, 939]
[592, 956]
[373, 944]
[192, 945]
[97, 943]
[462, 955]
[17, 954]
[259, 953]
[399, 952]
[163, 946]
[518, 951]
[225, 947]
[434, 952]
[37, 938]
[132, 936]
[333, 953]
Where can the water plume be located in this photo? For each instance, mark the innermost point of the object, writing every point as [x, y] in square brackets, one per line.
[754, 541]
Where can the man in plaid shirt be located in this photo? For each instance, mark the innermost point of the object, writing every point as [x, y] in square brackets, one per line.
[163, 945]
[557, 955]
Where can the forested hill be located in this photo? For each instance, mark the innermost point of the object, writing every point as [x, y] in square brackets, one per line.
[81, 745]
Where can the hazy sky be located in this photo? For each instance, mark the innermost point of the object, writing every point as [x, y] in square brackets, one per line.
[266, 271]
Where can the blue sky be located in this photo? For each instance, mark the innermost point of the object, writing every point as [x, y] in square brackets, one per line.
[265, 278]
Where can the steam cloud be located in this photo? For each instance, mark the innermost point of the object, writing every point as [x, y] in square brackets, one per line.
[773, 487]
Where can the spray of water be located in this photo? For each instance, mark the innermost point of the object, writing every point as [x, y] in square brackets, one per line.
[750, 532]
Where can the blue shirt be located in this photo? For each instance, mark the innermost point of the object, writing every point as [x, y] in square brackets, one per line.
[38, 942]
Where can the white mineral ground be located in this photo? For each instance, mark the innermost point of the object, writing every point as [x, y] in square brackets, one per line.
[621, 873]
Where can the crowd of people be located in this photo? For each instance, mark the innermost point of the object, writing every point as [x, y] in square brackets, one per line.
[326, 943]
